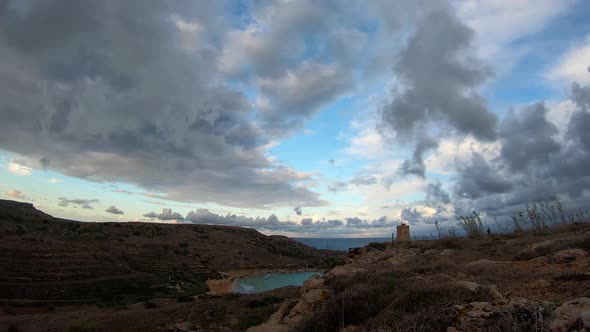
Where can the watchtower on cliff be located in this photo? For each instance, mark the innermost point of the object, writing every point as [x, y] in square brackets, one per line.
[403, 232]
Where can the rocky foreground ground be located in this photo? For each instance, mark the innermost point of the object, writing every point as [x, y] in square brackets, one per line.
[533, 281]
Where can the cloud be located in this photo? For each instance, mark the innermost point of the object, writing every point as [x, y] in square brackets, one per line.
[13, 193]
[502, 24]
[54, 180]
[112, 209]
[437, 74]
[364, 180]
[338, 186]
[204, 216]
[19, 168]
[528, 137]
[83, 203]
[535, 162]
[436, 195]
[416, 166]
[167, 214]
[573, 66]
[91, 110]
[151, 215]
[298, 210]
[300, 93]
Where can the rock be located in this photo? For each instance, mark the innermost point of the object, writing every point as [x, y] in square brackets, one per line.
[568, 255]
[541, 283]
[499, 316]
[275, 322]
[351, 328]
[183, 326]
[447, 252]
[484, 262]
[344, 271]
[307, 304]
[474, 287]
[314, 282]
[572, 316]
[431, 252]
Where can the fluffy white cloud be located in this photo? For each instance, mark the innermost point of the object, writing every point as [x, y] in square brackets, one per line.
[13, 193]
[17, 168]
[573, 65]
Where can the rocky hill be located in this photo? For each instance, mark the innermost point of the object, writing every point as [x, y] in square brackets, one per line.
[530, 281]
[47, 259]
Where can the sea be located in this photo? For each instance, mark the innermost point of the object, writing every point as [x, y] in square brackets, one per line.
[340, 243]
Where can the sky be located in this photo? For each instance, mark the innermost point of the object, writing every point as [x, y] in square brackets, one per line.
[303, 118]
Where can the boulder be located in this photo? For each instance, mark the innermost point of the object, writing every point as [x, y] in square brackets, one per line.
[314, 282]
[431, 252]
[474, 287]
[572, 316]
[447, 252]
[308, 302]
[568, 255]
[183, 326]
[344, 271]
[500, 316]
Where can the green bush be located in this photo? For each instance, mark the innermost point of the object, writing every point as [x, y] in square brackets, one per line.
[378, 245]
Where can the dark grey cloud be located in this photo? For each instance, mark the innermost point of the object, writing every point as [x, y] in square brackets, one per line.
[298, 210]
[528, 137]
[579, 126]
[416, 166]
[272, 222]
[83, 203]
[410, 215]
[167, 214]
[98, 90]
[436, 195]
[151, 215]
[536, 163]
[477, 178]
[306, 225]
[438, 74]
[112, 209]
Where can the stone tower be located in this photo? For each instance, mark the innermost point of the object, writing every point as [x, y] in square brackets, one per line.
[403, 232]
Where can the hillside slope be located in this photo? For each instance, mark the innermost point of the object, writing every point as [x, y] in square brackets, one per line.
[47, 259]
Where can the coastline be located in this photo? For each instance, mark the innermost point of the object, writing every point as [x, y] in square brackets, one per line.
[226, 285]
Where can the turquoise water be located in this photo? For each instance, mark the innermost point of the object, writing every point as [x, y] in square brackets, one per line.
[268, 282]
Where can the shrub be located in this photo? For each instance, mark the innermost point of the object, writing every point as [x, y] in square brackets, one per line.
[332, 262]
[248, 321]
[353, 301]
[264, 302]
[377, 245]
[425, 307]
